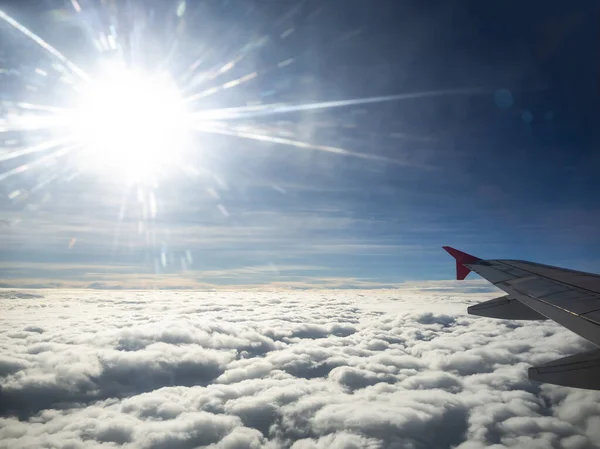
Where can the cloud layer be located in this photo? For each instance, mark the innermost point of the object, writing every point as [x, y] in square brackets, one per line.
[403, 368]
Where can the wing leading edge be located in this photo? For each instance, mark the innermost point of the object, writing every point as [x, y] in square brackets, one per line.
[538, 292]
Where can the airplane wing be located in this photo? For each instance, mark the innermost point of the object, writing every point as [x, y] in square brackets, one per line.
[539, 292]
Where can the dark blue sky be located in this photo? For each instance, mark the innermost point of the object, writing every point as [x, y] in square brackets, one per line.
[508, 169]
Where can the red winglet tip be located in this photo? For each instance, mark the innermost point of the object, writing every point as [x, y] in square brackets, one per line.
[461, 272]
[461, 258]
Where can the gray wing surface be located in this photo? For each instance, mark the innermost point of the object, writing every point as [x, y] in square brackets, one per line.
[538, 292]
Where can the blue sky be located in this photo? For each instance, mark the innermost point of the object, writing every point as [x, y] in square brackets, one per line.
[507, 170]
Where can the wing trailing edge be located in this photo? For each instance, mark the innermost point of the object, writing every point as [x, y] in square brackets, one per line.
[505, 308]
[578, 371]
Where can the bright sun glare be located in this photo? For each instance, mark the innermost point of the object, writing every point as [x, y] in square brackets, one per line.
[129, 124]
[134, 127]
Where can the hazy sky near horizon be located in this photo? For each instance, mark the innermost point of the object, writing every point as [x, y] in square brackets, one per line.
[492, 152]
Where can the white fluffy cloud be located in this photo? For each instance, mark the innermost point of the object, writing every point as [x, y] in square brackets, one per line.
[338, 369]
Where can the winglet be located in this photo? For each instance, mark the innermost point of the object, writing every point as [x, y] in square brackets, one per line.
[461, 258]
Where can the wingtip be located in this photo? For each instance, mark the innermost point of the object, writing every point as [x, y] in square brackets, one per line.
[450, 250]
[461, 258]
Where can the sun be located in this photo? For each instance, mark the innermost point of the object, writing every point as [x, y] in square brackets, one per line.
[129, 125]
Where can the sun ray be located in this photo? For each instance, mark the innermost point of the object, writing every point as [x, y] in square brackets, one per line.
[31, 150]
[212, 75]
[39, 107]
[41, 184]
[242, 53]
[275, 109]
[76, 6]
[206, 128]
[238, 81]
[45, 45]
[24, 167]
[222, 87]
[32, 122]
[250, 76]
